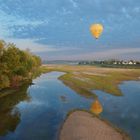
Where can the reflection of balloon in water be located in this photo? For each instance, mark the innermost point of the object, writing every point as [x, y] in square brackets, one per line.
[96, 107]
[96, 30]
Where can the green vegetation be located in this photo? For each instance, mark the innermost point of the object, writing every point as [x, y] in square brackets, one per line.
[84, 79]
[16, 65]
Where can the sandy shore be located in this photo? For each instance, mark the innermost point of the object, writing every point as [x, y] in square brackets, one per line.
[81, 125]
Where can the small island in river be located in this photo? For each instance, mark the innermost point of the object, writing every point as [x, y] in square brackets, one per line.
[81, 125]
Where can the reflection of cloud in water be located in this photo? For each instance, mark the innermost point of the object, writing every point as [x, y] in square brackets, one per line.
[15, 111]
[39, 103]
[35, 86]
[135, 116]
[33, 104]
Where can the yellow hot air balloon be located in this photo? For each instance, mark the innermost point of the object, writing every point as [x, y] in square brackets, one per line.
[96, 30]
[96, 107]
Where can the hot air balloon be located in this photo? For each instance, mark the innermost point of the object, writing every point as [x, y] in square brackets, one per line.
[96, 30]
[96, 107]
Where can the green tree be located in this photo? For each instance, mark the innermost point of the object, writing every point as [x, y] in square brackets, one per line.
[15, 64]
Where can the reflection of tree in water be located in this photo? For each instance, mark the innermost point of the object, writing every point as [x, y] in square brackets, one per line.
[8, 121]
[10, 117]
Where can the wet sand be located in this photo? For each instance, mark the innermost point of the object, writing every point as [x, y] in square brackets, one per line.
[81, 125]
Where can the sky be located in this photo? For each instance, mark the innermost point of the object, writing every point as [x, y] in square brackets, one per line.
[59, 29]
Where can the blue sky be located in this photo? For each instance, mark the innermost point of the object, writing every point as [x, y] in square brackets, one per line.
[59, 29]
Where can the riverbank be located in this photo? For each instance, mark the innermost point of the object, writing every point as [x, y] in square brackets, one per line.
[81, 125]
[25, 81]
[85, 79]
[12, 90]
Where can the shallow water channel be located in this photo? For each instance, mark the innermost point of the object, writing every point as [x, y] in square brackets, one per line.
[38, 111]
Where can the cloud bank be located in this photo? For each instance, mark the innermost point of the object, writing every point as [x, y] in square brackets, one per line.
[61, 28]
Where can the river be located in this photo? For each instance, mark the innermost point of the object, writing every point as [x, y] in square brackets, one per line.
[38, 111]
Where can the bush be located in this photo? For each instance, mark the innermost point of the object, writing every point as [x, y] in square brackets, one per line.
[15, 64]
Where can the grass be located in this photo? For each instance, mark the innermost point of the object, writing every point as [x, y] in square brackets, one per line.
[85, 79]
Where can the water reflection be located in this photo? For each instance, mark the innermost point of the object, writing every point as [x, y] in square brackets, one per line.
[39, 114]
[42, 117]
[96, 107]
[123, 111]
[63, 99]
[10, 116]
[8, 122]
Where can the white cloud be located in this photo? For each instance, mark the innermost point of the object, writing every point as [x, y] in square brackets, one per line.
[125, 12]
[7, 21]
[75, 5]
[32, 45]
[36, 47]
[64, 11]
[136, 9]
[106, 54]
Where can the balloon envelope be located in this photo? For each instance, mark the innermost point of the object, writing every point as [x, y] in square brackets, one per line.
[96, 30]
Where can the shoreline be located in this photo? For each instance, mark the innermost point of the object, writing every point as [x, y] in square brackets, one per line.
[92, 114]
[84, 79]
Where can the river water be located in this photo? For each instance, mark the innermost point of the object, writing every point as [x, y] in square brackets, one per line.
[37, 112]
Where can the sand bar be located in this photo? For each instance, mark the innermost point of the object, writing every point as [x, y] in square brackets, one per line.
[81, 125]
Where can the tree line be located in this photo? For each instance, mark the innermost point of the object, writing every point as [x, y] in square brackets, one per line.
[16, 65]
